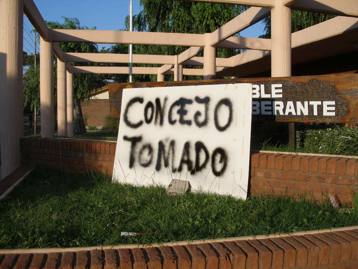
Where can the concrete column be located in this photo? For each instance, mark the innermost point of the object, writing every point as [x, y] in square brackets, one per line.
[47, 112]
[69, 98]
[281, 40]
[160, 77]
[281, 65]
[178, 72]
[11, 99]
[61, 98]
[209, 60]
[11, 102]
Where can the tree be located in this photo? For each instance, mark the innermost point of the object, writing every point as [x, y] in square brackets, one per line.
[180, 17]
[83, 83]
[31, 93]
[31, 88]
[300, 20]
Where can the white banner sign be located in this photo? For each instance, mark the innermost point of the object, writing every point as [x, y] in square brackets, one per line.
[195, 133]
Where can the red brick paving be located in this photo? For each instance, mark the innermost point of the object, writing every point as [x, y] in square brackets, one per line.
[330, 249]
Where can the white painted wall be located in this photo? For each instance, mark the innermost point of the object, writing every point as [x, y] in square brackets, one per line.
[235, 140]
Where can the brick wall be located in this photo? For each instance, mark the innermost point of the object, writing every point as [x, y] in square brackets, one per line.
[271, 173]
[95, 112]
[308, 175]
[318, 250]
[77, 155]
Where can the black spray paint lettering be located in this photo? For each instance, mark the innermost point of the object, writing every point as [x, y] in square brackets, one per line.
[227, 102]
[145, 156]
[133, 140]
[126, 111]
[160, 110]
[198, 114]
[177, 113]
[166, 156]
[194, 157]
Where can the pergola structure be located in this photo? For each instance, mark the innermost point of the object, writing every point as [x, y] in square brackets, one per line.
[11, 47]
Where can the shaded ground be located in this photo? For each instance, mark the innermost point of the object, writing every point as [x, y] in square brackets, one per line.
[101, 135]
[53, 209]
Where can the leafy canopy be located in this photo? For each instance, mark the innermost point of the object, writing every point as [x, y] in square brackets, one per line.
[83, 83]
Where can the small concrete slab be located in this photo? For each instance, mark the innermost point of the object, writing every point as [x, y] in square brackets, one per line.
[178, 187]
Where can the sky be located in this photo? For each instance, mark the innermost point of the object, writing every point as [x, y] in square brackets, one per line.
[102, 14]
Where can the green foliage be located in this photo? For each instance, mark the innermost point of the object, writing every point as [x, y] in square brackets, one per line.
[83, 83]
[108, 135]
[355, 202]
[300, 20]
[183, 16]
[31, 88]
[334, 140]
[112, 124]
[54, 209]
[180, 17]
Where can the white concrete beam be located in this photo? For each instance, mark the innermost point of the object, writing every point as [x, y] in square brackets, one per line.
[237, 24]
[58, 52]
[188, 54]
[259, 3]
[235, 42]
[36, 18]
[342, 7]
[124, 37]
[220, 62]
[115, 70]
[165, 68]
[118, 58]
[333, 27]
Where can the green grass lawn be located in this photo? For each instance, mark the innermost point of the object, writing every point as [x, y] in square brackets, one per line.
[54, 209]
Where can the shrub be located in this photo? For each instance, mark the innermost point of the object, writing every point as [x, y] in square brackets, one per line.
[112, 124]
[335, 140]
[355, 202]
